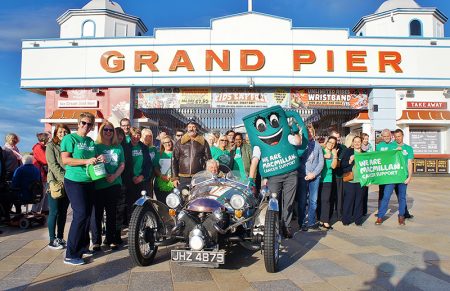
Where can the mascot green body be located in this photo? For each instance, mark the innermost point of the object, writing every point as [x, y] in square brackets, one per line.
[276, 148]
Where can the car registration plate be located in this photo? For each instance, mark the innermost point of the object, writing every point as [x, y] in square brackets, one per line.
[183, 256]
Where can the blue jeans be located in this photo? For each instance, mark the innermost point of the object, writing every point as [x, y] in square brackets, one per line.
[81, 198]
[388, 189]
[303, 189]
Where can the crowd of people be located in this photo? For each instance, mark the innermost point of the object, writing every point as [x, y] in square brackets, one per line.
[102, 179]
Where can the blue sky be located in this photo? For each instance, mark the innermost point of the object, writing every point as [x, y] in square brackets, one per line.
[21, 110]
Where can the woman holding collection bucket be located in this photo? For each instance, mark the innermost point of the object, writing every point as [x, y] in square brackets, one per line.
[107, 189]
[77, 153]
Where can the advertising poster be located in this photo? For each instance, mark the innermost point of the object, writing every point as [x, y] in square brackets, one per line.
[158, 98]
[195, 97]
[329, 98]
[249, 97]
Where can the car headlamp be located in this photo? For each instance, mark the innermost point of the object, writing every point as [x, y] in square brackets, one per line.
[237, 201]
[173, 200]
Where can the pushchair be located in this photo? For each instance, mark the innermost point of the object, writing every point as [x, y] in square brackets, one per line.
[17, 197]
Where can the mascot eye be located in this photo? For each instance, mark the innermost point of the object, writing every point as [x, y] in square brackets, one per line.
[260, 125]
[274, 121]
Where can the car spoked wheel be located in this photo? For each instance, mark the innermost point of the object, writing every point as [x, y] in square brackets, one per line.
[271, 241]
[142, 229]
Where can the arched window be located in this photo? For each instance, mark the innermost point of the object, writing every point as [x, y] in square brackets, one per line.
[88, 29]
[415, 28]
[361, 34]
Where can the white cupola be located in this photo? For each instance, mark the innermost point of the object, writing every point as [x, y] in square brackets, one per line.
[100, 18]
[402, 18]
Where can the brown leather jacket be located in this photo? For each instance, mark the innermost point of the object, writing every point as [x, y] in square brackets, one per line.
[189, 156]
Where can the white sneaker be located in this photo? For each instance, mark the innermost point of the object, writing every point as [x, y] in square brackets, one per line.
[74, 262]
[55, 245]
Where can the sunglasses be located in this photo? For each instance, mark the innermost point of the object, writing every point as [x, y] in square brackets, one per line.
[167, 143]
[179, 135]
[108, 129]
[86, 123]
[223, 140]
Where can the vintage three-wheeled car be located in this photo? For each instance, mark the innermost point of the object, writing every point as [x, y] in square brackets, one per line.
[204, 219]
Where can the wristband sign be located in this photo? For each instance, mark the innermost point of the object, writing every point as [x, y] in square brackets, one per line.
[329, 98]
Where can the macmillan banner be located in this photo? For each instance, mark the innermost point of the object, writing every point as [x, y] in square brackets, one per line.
[380, 168]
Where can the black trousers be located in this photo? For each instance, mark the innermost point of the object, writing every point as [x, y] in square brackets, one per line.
[338, 197]
[105, 200]
[324, 209]
[353, 203]
[133, 194]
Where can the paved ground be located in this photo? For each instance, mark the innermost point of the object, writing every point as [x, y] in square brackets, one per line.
[387, 257]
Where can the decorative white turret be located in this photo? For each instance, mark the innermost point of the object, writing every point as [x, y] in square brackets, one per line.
[402, 18]
[100, 18]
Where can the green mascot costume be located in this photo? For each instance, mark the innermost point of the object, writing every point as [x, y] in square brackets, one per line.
[276, 147]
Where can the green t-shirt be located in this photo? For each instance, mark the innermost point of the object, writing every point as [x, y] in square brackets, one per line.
[80, 148]
[407, 152]
[222, 156]
[138, 159]
[128, 138]
[164, 161]
[113, 158]
[382, 146]
[327, 171]
[239, 163]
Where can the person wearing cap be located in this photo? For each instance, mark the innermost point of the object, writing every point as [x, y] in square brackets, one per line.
[190, 154]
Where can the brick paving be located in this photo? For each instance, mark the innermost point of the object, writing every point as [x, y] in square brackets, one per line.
[368, 257]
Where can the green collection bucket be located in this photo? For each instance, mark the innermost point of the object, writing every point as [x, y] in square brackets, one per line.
[97, 171]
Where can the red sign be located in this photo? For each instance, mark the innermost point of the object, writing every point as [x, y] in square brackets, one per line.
[426, 105]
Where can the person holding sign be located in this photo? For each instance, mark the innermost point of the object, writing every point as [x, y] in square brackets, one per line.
[330, 156]
[353, 192]
[274, 149]
[77, 153]
[387, 145]
[408, 155]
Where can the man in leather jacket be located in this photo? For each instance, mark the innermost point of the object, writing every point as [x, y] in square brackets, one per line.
[190, 154]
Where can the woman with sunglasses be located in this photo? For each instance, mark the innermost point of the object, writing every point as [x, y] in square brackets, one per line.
[77, 153]
[163, 182]
[108, 188]
[220, 153]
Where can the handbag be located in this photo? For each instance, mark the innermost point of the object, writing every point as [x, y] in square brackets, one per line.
[56, 189]
[347, 176]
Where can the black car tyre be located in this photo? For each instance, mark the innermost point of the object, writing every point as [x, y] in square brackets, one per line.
[141, 237]
[271, 241]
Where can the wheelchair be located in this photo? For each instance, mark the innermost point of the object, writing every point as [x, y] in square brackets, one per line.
[14, 196]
